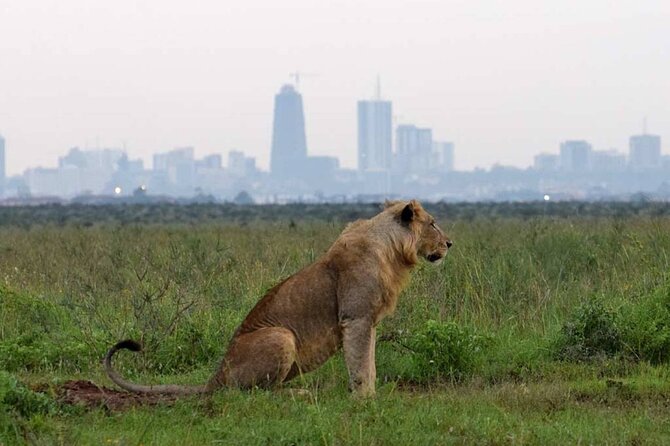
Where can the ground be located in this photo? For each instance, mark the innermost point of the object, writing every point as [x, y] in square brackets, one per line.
[545, 325]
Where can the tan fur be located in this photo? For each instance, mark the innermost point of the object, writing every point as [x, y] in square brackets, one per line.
[335, 302]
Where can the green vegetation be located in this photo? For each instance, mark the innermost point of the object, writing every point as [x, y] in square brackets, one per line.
[541, 327]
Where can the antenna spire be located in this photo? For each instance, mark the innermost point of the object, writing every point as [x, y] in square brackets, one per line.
[378, 91]
[296, 79]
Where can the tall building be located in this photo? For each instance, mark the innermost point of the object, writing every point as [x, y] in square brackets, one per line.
[445, 155]
[575, 156]
[89, 170]
[173, 158]
[2, 166]
[61, 182]
[546, 162]
[608, 161]
[414, 149]
[213, 161]
[375, 135]
[289, 145]
[176, 170]
[665, 162]
[104, 159]
[645, 151]
[240, 165]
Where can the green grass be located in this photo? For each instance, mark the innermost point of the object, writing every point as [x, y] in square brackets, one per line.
[587, 411]
[533, 331]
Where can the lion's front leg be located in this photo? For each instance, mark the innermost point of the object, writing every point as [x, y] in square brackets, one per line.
[358, 341]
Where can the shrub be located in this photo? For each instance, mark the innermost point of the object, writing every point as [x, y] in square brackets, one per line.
[445, 350]
[40, 334]
[19, 407]
[33, 352]
[16, 397]
[591, 332]
[646, 327]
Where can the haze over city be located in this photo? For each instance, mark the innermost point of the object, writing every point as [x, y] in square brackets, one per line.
[502, 80]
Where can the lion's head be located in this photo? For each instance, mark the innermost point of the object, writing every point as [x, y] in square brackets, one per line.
[429, 241]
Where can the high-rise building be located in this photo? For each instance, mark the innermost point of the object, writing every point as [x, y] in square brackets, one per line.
[102, 159]
[445, 155]
[90, 170]
[2, 166]
[414, 149]
[176, 170]
[645, 151]
[608, 161]
[213, 161]
[289, 145]
[575, 156]
[375, 135]
[168, 160]
[61, 182]
[240, 165]
[546, 162]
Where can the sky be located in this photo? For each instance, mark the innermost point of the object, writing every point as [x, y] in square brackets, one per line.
[503, 79]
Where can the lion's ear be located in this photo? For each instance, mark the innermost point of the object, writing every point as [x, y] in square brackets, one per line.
[407, 214]
[389, 203]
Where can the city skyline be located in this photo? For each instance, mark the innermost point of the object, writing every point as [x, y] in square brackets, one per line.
[412, 161]
[503, 80]
[638, 145]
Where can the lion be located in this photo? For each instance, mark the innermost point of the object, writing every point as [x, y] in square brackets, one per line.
[336, 302]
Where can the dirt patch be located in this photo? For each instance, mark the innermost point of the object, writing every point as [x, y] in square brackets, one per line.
[91, 395]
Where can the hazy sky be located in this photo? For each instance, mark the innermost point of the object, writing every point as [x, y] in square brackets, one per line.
[503, 79]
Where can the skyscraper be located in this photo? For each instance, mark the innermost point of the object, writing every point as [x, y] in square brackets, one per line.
[289, 145]
[608, 161]
[2, 166]
[445, 155]
[374, 135]
[575, 156]
[546, 162]
[414, 148]
[178, 168]
[645, 151]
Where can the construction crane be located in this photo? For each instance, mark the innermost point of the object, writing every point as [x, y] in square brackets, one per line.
[296, 75]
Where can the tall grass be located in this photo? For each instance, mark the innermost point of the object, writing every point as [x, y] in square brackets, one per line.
[182, 289]
[520, 304]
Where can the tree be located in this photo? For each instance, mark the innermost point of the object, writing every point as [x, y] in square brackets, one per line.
[243, 198]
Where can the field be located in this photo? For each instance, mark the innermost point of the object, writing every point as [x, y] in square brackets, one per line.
[546, 324]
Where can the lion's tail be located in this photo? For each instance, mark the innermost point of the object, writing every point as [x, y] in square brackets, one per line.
[168, 389]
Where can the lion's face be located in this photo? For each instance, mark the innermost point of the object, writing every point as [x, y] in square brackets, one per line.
[432, 243]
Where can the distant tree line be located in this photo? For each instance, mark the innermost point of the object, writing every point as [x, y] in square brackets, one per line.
[164, 213]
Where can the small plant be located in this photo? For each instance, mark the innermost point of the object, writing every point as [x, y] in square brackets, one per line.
[445, 350]
[15, 397]
[591, 332]
[23, 411]
[646, 327]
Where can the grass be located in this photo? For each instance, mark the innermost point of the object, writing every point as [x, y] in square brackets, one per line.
[588, 411]
[535, 330]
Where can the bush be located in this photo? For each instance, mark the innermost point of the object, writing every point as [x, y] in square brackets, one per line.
[16, 397]
[18, 406]
[591, 332]
[646, 327]
[445, 350]
[639, 330]
[33, 352]
[40, 334]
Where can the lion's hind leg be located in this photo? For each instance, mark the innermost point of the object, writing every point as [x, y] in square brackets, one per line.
[261, 358]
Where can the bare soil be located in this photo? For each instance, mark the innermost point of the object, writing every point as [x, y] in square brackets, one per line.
[91, 395]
